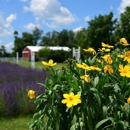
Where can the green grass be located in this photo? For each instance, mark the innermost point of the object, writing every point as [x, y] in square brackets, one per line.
[38, 65]
[20, 123]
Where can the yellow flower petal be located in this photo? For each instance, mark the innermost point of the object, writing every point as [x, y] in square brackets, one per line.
[65, 95]
[64, 101]
[128, 100]
[69, 104]
[44, 63]
[50, 61]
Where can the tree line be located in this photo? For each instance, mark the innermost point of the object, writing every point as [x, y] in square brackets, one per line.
[103, 28]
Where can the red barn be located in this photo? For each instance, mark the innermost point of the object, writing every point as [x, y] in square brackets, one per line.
[26, 53]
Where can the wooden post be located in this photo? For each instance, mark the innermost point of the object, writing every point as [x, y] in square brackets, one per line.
[17, 57]
[33, 60]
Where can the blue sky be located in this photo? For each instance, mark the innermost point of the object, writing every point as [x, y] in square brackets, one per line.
[49, 15]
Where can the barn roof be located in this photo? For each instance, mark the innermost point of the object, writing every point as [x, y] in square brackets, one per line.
[37, 48]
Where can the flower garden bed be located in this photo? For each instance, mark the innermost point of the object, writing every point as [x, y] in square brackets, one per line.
[89, 95]
[15, 81]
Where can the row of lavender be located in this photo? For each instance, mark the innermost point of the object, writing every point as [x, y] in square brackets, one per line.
[15, 81]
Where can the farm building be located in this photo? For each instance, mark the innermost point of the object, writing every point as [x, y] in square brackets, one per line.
[26, 53]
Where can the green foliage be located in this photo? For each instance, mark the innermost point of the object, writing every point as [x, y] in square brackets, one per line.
[59, 55]
[123, 26]
[81, 39]
[37, 35]
[50, 39]
[43, 53]
[21, 42]
[100, 30]
[104, 103]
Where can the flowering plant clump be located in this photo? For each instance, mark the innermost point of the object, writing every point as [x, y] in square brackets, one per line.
[93, 94]
[15, 81]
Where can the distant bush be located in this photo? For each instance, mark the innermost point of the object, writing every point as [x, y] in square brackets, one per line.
[43, 53]
[15, 81]
[59, 55]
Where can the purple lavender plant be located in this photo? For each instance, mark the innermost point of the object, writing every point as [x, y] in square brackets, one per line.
[15, 81]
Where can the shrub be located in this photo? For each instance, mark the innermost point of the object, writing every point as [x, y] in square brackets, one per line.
[43, 53]
[93, 94]
[59, 55]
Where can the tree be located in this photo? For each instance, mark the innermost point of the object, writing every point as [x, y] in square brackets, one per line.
[50, 39]
[28, 39]
[71, 40]
[16, 34]
[63, 38]
[21, 42]
[80, 38]
[17, 46]
[101, 29]
[123, 26]
[37, 34]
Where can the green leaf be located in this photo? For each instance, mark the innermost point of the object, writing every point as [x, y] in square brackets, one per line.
[104, 111]
[73, 127]
[97, 98]
[74, 119]
[81, 125]
[102, 122]
[74, 86]
[96, 80]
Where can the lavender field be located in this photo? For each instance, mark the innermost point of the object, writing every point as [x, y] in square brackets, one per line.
[15, 81]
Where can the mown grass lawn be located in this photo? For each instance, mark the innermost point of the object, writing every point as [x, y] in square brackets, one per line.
[38, 65]
[20, 123]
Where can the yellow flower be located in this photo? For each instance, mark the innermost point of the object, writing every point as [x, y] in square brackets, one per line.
[124, 41]
[127, 59]
[50, 63]
[108, 69]
[31, 94]
[71, 99]
[90, 50]
[127, 54]
[99, 61]
[95, 68]
[107, 58]
[86, 78]
[104, 50]
[124, 71]
[83, 66]
[128, 100]
[79, 65]
[107, 45]
[120, 56]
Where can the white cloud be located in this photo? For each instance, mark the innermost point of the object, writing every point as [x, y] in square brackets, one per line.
[77, 29]
[50, 12]
[0, 41]
[123, 5]
[87, 18]
[9, 46]
[9, 19]
[31, 26]
[5, 25]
